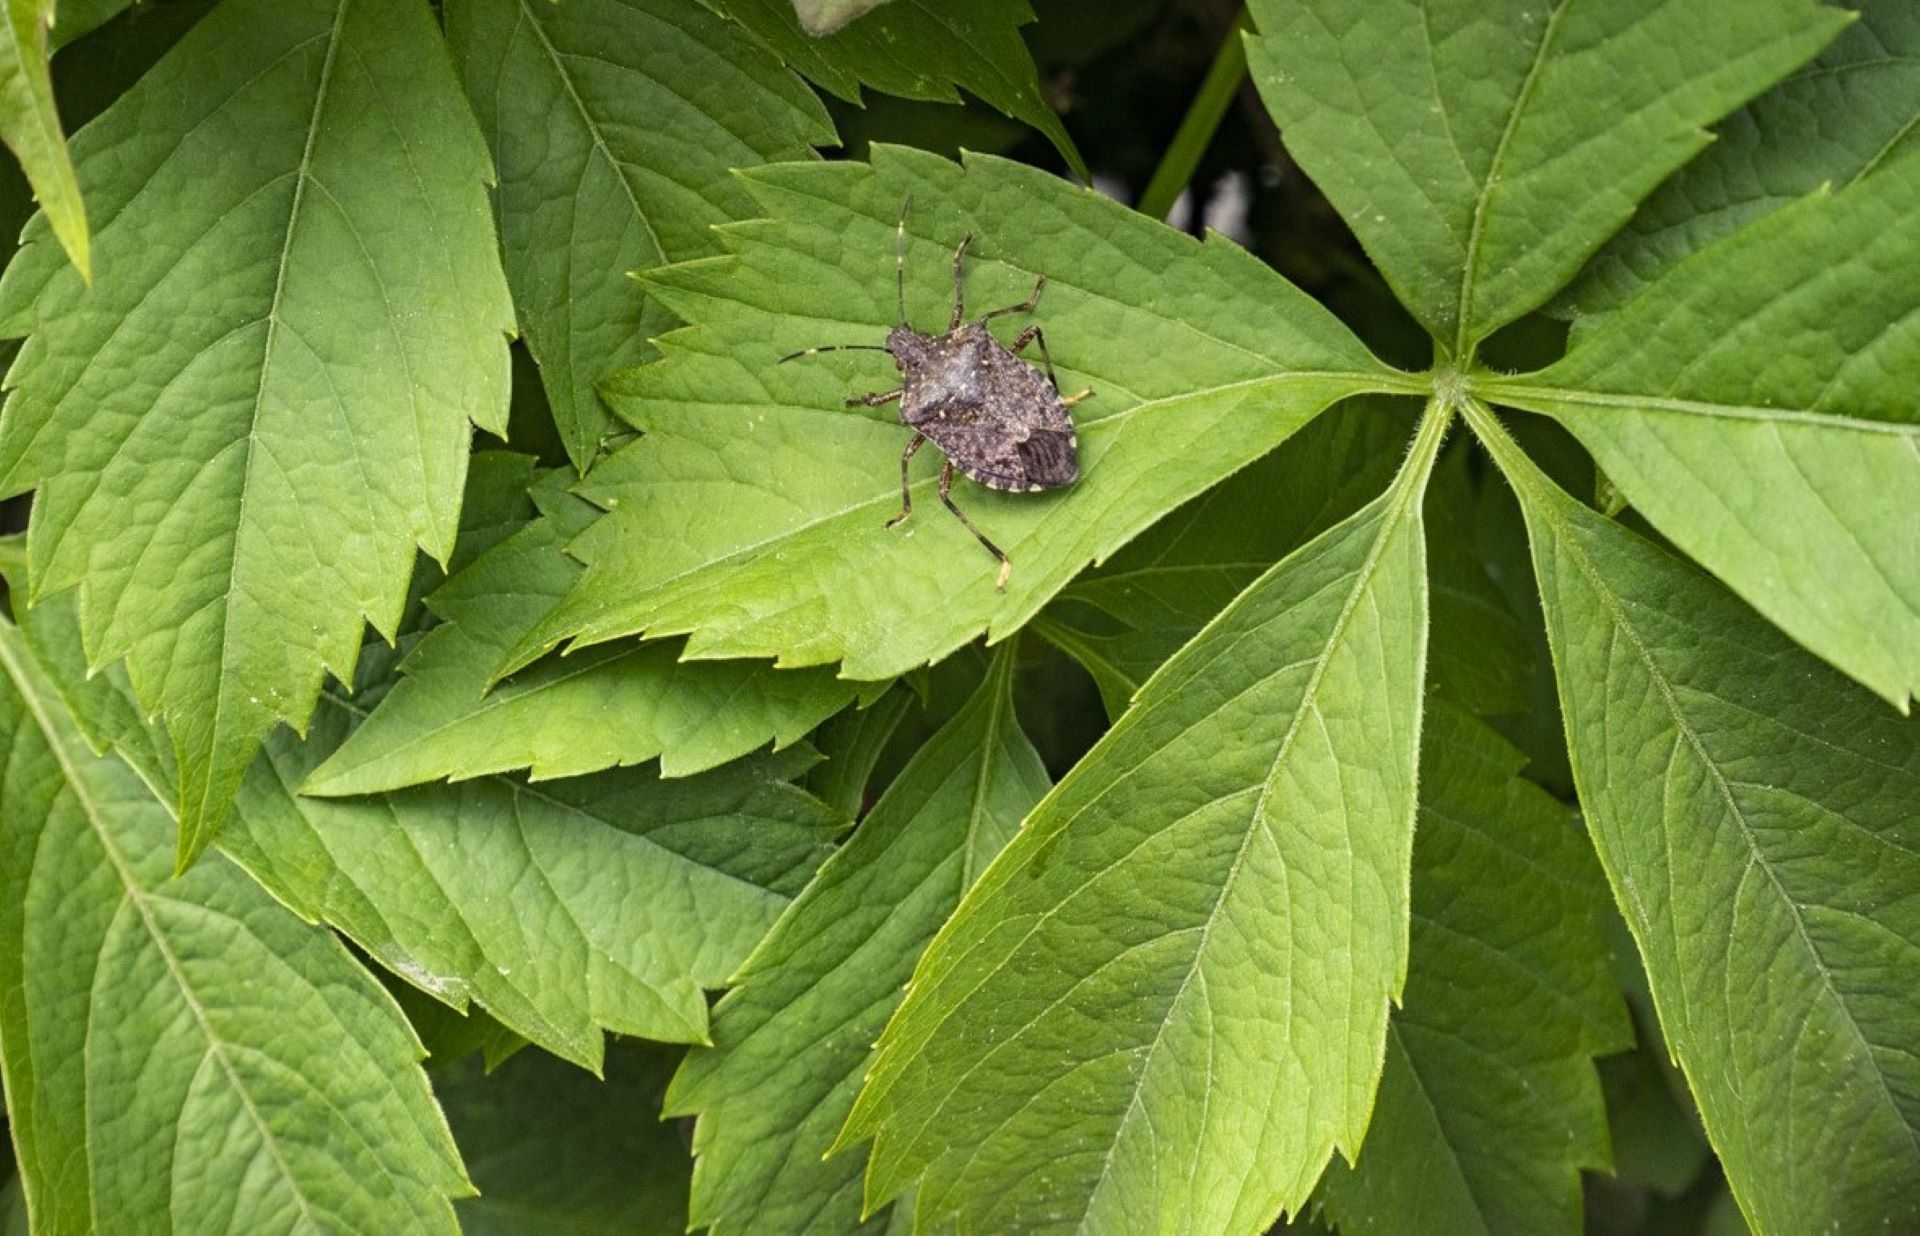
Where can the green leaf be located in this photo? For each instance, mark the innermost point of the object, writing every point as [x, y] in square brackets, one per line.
[1124, 618]
[74, 18]
[1483, 151]
[241, 432]
[1754, 812]
[1489, 1104]
[918, 49]
[615, 705]
[1164, 1006]
[823, 17]
[614, 125]
[793, 1038]
[1854, 109]
[752, 513]
[850, 746]
[1478, 651]
[184, 1053]
[30, 126]
[554, 1149]
[645, 891]
[1747, 404]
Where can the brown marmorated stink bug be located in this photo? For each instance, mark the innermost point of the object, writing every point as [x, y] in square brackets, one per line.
[998, 420]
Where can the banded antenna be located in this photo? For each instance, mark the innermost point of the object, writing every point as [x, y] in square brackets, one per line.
[900, 256]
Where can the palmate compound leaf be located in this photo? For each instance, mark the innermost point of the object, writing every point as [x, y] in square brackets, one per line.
[242, 430]
[918, 49]
[30, 125]
[614, 126]
[1489, 1104]
[1754, 812]
[184, 1054]
[1853, 109]
[1483, 150]
[597, 903]
[1164, 1005]
[615, 705]
[1757, 405]
[793, 1038]
[751, 513]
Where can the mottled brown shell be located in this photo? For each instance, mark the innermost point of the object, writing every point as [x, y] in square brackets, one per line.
[996, 417]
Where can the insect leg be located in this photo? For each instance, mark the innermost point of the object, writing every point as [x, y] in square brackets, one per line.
[946, 496]
[875, 400]
[960, 283]
[906, 495]
[1033, 334]
[1028, 305]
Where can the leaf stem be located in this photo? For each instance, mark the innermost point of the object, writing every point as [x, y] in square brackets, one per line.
[1202, 121]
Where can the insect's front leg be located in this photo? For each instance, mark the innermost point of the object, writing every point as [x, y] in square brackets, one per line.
[875, 400]
[906, 494]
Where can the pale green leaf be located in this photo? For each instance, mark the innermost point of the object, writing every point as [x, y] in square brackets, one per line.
[614, 705]
[242, 431]
[792, 1040]
[1489, 1104]
[1756, 405]
[1165, 1005]
[553, 1149]
[1853, 109]
[1124, 618]
[1483, 150]
[30, 125]
[596, 903]
[752, 512]
[614, 126]
[1755, 815]
[823, 17]
[918, 49]
[183, 1054]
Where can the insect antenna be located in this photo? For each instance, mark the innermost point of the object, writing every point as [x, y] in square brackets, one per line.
[900, 257]
[831, 347]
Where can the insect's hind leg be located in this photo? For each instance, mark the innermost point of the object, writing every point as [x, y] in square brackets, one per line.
[946, 497]
[906, 494]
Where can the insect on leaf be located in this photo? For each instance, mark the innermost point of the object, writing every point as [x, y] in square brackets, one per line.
[751, 516]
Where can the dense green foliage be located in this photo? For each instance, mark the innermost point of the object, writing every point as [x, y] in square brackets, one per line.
[1445, 766]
